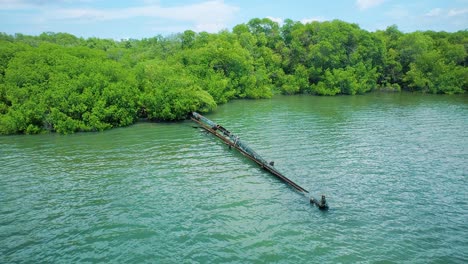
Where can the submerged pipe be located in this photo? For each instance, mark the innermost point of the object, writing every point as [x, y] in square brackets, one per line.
[233, 141]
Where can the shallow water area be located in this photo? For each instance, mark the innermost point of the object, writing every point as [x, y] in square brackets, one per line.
[393, 167]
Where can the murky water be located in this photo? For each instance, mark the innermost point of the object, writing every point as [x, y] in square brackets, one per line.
[393, 166]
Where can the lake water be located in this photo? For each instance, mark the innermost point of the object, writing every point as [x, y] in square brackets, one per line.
[394, 168]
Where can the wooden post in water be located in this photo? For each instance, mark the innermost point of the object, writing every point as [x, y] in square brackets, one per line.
[234, 141]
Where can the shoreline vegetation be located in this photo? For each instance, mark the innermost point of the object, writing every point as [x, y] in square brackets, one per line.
[56, 82]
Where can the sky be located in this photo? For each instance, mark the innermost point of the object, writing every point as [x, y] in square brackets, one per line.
[148, 18]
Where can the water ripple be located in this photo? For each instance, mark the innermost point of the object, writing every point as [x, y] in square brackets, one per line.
[393, 168]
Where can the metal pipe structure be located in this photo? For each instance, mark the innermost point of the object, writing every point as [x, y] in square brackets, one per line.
[233, 141]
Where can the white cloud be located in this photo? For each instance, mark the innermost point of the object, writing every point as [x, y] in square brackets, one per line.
[210, 15]
[434, 12]
[34, 4]
[204, 12]
[366, 4]
[458, 12]
[438, 12]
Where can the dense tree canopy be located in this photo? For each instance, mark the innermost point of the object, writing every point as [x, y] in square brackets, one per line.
[58, 82]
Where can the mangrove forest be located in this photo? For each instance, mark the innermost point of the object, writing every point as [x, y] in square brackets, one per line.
[57, 82]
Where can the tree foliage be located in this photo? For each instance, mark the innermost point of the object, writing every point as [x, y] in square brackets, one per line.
[62, 83]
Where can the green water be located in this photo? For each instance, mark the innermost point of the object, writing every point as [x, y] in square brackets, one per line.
[393, 166]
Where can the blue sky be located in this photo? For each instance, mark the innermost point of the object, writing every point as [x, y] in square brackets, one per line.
[147, 18]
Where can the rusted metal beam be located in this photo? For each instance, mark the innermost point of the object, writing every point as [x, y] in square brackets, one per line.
[233, 141]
